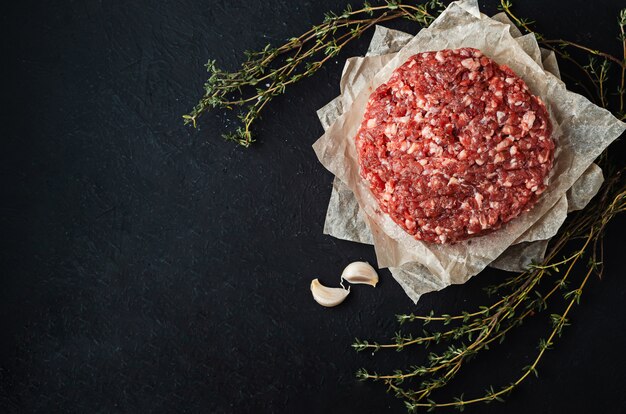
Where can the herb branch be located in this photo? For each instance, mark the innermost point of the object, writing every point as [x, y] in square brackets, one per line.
[267, 73]
[490, 325]
[596, 73]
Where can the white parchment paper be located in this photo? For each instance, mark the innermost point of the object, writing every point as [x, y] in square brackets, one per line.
[419, 267]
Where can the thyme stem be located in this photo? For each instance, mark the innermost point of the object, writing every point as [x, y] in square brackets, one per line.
[607, 56]
[267, 74]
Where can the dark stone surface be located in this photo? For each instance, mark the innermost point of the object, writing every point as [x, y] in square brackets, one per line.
[148, 267]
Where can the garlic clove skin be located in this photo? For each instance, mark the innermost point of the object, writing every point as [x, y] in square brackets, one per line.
[360, 272]
[327, 296]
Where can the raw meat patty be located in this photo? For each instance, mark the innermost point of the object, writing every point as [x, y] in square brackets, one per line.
[454, 145]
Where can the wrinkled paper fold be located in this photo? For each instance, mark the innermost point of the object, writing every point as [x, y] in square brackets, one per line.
[582, 131]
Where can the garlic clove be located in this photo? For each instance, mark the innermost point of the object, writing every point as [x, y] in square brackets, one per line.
[360, 272]
[326, 296]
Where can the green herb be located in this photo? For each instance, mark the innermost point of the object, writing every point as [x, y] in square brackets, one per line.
[596, 74]
[267, 73]
[519, 297]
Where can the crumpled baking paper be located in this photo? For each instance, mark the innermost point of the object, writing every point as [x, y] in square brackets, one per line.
[582, 131]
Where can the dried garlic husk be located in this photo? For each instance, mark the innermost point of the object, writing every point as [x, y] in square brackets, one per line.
[360, 272]
[326, 296]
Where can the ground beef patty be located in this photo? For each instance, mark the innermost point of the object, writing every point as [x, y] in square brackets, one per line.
[454, 145]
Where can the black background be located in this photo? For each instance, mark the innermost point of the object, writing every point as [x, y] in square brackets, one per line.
[149, 267]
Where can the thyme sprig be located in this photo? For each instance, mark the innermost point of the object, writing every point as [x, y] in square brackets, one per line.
[477, 331]
[267, 73]
[595, 73]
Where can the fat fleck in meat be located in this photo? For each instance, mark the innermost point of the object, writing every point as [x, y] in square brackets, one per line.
[454, 145]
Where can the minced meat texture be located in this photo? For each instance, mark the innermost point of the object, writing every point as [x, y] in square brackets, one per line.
[454, 145]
